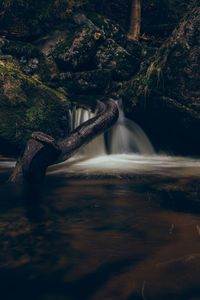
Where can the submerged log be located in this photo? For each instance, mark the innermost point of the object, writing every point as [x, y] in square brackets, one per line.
[42, 150]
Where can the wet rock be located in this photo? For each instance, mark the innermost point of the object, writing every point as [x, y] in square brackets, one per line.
[108, 27]
[90, 82]
[113, 31]
[112, 56]
[134, 48]
[27, 105]
[22, 20]
[29, 66]
[19, 49]
[81, 20]
[100, 23]
[30, 59]
[164, 96]
[78, 56]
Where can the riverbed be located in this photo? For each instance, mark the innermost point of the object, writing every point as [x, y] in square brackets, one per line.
[112, 227]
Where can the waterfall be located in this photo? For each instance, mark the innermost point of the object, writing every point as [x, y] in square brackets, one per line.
[130, 153]
[124, 137]
[128, 137]
[97, 146]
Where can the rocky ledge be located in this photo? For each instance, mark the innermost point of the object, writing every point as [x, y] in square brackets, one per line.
[90, 57]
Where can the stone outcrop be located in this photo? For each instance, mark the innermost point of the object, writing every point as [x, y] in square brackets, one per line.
[112, 56]
[27, 105]
[78, 56]
[88, 57]
[164, 96]
[94, 82]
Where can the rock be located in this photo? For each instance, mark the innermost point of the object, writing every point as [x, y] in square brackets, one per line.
[29, 66]
[182, 66]
[90, 82]
[31, 60]
[164, 96]
[22, 20]
[27, 105]
[78, 56]
[113, 57]
[81, 20]
[100, 23]
[134, 48]
[109, 28]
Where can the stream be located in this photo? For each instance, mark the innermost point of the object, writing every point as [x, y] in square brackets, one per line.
[118, 226]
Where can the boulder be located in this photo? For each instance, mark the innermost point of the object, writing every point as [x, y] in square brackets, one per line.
[30, 60]
[109, 28]
[27, 105]
[28, 20]
[90, 82]
[113, 57]
[77, 54]
[164, 96]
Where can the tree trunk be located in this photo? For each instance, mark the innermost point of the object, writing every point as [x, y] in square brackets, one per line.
[135, 20]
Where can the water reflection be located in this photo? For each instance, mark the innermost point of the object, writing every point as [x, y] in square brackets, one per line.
[101, 238]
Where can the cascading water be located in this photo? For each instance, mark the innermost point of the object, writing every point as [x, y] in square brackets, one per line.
[97, 146]
[124, 150]
[125, 136]
[128, 137]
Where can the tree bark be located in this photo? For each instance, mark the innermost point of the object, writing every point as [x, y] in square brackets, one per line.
[42, 150]
[135, 20]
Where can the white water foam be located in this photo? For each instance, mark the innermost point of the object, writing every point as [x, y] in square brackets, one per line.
[130, 153]
[124, 137]
[122, 165]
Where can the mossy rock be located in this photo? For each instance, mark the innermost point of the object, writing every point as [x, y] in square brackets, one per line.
[27, 105]
[90, 82]
[30, 59]
[76, 53]
[27, 20]
[112, 56]
[175, 70]
[110, 28]
[164, 95]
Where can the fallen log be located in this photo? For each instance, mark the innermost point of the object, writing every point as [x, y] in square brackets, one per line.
[42, 150]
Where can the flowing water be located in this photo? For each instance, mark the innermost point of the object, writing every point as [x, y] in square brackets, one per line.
[109, 223]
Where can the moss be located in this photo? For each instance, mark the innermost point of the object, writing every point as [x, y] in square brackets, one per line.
[19, 49]
[61, 46]
[154, 83]
[25, 53]
[27, 105]
[29, 19]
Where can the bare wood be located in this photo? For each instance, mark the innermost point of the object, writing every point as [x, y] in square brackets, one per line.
[41, 151]
[135, 20]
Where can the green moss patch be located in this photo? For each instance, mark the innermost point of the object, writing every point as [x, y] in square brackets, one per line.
[27, 105]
